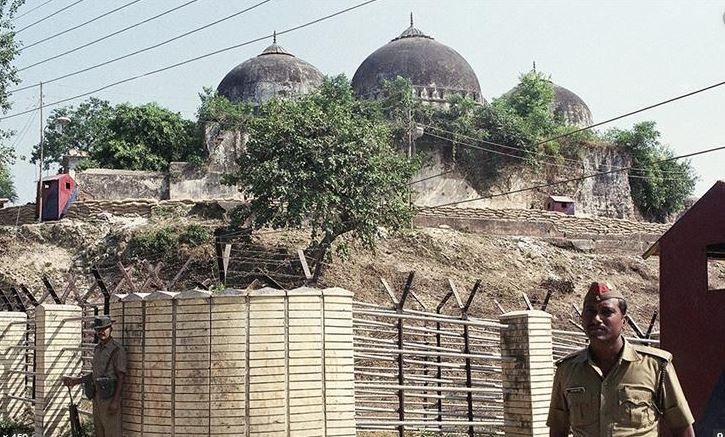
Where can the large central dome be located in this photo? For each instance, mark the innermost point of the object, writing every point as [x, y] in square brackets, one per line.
[275, 72]
[434, 69]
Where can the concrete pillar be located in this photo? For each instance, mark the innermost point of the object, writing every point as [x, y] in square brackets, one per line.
[527, 372]
[13, 384]
[57, 348]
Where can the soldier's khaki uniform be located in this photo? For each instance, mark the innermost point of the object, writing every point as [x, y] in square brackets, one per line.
[628, 402]
[107, 425]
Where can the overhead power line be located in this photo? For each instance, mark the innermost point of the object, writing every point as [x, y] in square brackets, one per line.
[197, 58]
[619, 117]
[523, 158]
[105, 14]
[636, 111]
[95, 41]
[32, 9]
[580, 178]
[48, 16]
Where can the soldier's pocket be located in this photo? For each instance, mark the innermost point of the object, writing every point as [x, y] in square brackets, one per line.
[636, 408]
[582, 408]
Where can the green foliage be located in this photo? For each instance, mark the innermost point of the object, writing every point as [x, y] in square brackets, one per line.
[165, 242]
[195, 235]
[532, 101]
[659, 185]
[324, 160]
[145, 137]
[10, 427]
[7, 188]
[217, 108]
[507, 132]
[88, 127]
[162, 242]
[8, 73]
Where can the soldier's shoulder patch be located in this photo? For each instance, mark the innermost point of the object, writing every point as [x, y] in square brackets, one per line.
[570, 356]
[653, 351]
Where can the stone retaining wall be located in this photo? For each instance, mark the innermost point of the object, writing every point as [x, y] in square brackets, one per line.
[599, 233]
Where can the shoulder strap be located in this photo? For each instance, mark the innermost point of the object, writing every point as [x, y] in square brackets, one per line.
[660, 395]
[108, 363]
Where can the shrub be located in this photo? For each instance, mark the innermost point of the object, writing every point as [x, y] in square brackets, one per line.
[12, 427]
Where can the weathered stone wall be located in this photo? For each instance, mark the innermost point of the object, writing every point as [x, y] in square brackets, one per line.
[189, 182]
[606, 195]
[596, 233]
[107, 184]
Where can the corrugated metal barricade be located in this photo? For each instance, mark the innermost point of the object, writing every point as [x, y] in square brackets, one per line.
[245, 363]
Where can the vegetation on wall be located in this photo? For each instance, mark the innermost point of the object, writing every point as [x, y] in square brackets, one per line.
[325, 161]
[145, 137]
[487, 139]
[660, 185]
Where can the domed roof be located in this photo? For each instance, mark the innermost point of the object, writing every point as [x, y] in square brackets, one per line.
[274, 72]
[571, 107]
[567, 105]
[435, 69]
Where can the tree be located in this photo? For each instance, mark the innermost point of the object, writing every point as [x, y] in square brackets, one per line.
[659, 184]
[7, 188]
[145, 137]
[532, 100]
[326, 161]
[8, 78]
[88, 126]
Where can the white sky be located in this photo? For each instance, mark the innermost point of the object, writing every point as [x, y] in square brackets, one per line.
[617, 55]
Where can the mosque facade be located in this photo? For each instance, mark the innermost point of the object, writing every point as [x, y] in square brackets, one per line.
[436, 72]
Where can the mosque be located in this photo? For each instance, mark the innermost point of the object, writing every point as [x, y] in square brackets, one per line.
[436, 71]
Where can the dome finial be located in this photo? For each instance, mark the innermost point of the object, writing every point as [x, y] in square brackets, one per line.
[274, 37]
[411, 19]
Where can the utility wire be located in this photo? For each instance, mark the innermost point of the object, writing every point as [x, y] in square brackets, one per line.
[523, 158]
[105, 14]
[48, 16]
[619, 117]
[637, 111]
[580, 178]
[197, 58]
[88, 44]
[111, 60]
[31, 10]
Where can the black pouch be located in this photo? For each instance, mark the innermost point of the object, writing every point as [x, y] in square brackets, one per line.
[89, 388]
[106, 387]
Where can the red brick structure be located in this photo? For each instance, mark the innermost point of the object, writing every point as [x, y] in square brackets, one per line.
[692, 313]
[59, 192]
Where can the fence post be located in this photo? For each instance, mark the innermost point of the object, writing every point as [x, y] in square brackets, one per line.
[401, 355]
[13, 327]
[57, 350]
[527, 372]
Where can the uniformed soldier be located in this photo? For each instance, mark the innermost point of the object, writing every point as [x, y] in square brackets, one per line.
[613, 387]
[106, 380]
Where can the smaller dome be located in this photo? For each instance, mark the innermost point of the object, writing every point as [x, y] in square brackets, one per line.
[566, 105]
[274, 72]
[571, 107]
